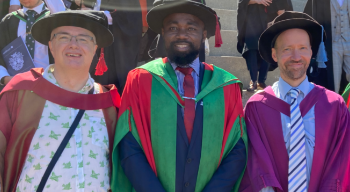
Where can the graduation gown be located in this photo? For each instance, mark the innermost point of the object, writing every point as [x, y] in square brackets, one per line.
[21, 104]
[8, 31]
[252, 21]
[268, 158]
[320, 10]
[346, 95]
[121, 56]
[4, 8]
[149, 111]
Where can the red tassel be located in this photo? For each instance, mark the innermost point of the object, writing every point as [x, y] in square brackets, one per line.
[101, 66]
[218, 39]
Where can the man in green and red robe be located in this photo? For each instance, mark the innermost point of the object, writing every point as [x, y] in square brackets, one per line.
[346, 95]
[181, 125]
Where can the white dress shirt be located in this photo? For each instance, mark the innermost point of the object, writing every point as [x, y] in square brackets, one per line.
[41, 53]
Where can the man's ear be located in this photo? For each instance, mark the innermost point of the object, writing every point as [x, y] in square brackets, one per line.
[50, 47]
[162, 31]
[205, 34]
[95, 48]
[274, 54]
[311, 51]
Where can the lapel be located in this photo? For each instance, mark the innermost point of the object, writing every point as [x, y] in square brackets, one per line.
[20, 14]
[336, 6]
[272, 101]
[306, 104]
[13, 26]
[321, 135]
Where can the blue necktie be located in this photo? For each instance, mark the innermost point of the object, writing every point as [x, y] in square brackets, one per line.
[297, 157]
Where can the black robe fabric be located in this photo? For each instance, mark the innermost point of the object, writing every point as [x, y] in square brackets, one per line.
[4, 8]
[121, 56]
[252, 20]
[320, 10]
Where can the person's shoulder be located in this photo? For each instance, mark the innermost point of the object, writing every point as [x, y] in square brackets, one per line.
[11, 15]
[257, 97]
[331, 96]
[156, 66]
[23, 81]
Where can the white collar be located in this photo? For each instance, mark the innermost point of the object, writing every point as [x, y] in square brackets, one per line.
[37, 9]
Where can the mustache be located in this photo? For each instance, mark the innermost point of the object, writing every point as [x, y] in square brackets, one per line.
[298, 61]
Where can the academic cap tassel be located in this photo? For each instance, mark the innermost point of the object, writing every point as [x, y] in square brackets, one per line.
[321, 54]
[218, 39]
[101, 66]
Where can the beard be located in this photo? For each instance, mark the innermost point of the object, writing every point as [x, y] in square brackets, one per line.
[182, 59]
[292, 73]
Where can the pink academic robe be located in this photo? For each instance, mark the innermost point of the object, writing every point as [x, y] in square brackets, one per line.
[267, 155]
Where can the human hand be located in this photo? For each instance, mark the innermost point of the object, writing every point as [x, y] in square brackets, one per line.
[13, 8]
[261, 2]
[78, 2]
[85, 8]
[280, 12]
[7, 79]
[144, 29]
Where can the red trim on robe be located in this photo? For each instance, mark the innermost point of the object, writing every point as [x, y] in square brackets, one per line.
[232, 94]
[208, 67]
[175, 92]
[34, 81]
[141, 108]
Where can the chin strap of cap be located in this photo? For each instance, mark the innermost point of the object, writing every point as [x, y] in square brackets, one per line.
[101, 66]
[218, 39]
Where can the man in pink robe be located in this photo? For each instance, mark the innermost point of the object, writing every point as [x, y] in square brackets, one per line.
[291, 42]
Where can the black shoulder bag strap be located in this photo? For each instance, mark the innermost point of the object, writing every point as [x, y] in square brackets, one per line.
[61, 148]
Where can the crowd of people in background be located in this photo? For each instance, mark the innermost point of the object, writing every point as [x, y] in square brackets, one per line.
[86, 117]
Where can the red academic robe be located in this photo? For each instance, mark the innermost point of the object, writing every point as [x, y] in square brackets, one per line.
[268, 158]
[21, 104]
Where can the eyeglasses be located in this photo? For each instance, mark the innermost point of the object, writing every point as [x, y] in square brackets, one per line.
[66, 38]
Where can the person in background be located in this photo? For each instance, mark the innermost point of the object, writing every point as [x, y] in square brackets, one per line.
[253, 17]
[334, 16]
[180, 126]
[127, 22]
[298, 131]
[57, 124]
[19, 25]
